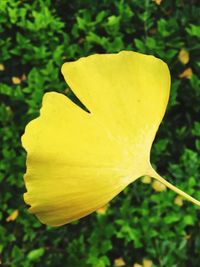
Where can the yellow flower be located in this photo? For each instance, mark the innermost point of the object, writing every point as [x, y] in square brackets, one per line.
[77, 161]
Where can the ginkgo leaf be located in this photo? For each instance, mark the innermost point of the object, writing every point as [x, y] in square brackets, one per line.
[119, 262]
[2, 67]
[178, 201]
[146, 179]
[158, 186]
[147, 263]
[16, 80]
[13, 216]
[187, 74]
[184, 56]
[137, 265]
[77, 161]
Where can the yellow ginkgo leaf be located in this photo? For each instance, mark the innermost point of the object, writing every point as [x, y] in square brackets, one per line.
[13, 216]
[158, 2]
[187, 74]
[137, 265]
[178, 201]
[16, 80]
[77, 161]
[119, 262]
[146, 179]
[23, 78]
[184, 56]
[147, 263]
[158, 186]
[2, 68]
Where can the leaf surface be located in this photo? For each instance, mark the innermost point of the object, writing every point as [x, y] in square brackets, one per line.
[78, 161]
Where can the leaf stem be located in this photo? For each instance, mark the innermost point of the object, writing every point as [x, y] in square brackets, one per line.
[155, 175]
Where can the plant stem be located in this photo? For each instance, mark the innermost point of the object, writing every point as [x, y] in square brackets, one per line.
[155, 175]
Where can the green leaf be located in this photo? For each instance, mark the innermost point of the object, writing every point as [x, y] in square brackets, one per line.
[193, 30]
[35, 254]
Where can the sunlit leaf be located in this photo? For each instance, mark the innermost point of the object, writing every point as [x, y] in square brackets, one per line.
[147, 263]
[158, 186]
[13, 216]
[119, 262]
[2, 68]
[78, 161]
[187, 74]
[184, 56]
[16, 80]
[178, 201]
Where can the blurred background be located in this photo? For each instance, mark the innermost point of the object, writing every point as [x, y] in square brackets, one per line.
[146, 225]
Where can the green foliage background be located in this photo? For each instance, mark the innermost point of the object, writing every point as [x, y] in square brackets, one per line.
[36, 38]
